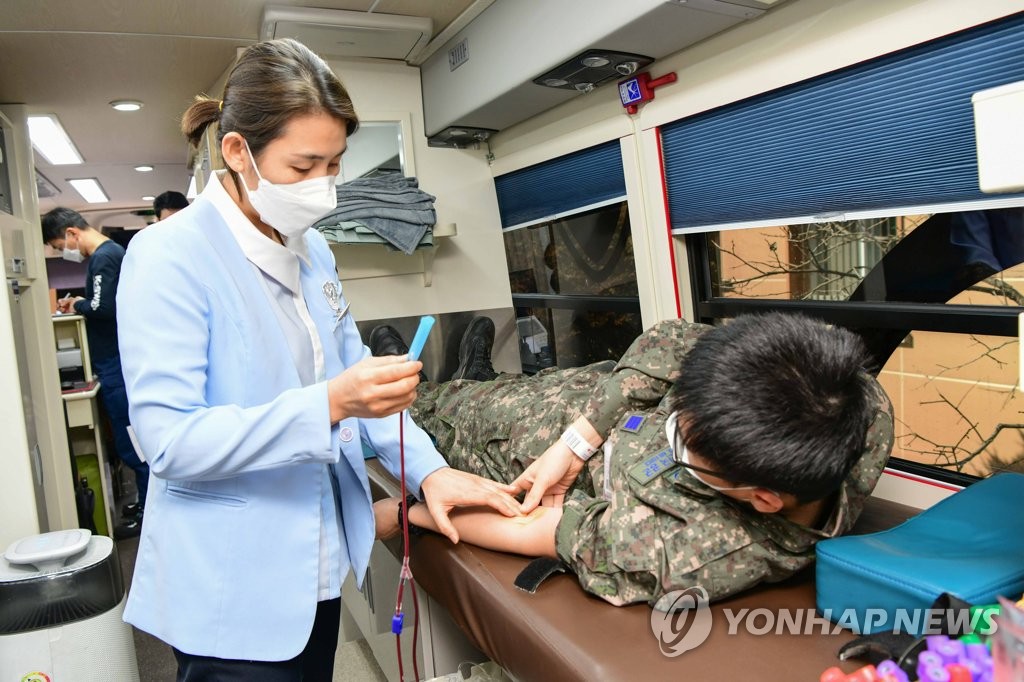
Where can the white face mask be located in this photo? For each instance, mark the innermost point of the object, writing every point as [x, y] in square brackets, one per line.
[292, 208]
[683, 457]
[73, 255]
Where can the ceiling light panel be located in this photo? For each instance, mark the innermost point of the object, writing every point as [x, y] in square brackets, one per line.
[50, 140]
[90, 190]
[126, 104]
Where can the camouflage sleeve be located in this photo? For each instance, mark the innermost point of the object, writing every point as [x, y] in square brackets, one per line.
[730, 573]
[583, 541]
[644, 374]
[625, 552]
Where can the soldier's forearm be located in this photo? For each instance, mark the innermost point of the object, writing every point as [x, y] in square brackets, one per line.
[530, 535]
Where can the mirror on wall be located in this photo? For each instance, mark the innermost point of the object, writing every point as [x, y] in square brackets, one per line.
[376, 149]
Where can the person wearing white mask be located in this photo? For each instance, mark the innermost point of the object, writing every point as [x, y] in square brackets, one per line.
[68, 232]
[251, 390]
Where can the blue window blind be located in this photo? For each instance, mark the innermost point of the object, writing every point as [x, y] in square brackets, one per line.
[560, 185]
[894, 131]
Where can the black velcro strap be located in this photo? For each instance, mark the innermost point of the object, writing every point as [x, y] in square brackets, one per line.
[403, 506]
[537, 571]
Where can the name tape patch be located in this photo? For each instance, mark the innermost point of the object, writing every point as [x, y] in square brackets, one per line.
[652, 467]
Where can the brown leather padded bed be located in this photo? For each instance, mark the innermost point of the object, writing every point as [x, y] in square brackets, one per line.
[562, 633]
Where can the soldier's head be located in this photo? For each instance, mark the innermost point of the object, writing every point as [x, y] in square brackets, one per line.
[774, 409]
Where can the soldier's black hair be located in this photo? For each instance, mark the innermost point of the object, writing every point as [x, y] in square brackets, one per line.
[776, 400]
[56, 221]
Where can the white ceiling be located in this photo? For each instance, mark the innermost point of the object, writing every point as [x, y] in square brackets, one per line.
[72, 57]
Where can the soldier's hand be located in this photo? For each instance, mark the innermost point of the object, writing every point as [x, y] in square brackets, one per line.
[549, 477]
[446, 488]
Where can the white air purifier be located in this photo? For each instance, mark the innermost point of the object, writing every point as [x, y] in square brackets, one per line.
[61, 601]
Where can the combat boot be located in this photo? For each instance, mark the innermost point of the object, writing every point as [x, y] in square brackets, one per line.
[385, 340]
[475, 351]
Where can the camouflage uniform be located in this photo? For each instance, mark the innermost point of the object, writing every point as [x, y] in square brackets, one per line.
[635, 524]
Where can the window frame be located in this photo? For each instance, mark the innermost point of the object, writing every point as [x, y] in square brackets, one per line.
[576, 302]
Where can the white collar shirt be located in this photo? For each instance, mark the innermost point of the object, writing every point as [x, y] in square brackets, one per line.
[278, 270]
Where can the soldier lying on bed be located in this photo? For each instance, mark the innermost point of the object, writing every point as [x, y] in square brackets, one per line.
[720, 454]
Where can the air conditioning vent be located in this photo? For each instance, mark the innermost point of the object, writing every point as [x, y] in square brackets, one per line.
[458, 55]
[44, 188]
[340, 34]
[589, 69]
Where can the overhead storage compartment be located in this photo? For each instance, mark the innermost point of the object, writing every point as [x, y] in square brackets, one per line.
[335, 33]
[483, 77]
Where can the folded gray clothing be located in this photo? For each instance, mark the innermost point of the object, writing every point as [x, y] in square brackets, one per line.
[349, 227]
[405, 196]
[352, 232]
[384, 183]
[389, 180]
[352, 204]
[403, 235]
[421, 211]
[375, 240]
[353, 237]
[343, 213]
[400, 227]
[396, 189]
[392, 206]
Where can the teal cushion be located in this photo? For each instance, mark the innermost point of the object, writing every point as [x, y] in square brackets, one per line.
[970, 544]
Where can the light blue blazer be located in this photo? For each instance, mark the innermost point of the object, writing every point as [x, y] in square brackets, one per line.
[228, 557]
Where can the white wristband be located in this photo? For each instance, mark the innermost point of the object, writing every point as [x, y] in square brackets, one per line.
[578, 444]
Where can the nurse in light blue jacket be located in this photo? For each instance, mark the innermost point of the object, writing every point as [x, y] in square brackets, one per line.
[250, 390]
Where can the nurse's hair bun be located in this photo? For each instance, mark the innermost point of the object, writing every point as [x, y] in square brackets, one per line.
[202, 113]
[271, 83]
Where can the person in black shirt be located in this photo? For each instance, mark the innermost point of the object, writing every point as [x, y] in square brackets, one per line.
[67, 231]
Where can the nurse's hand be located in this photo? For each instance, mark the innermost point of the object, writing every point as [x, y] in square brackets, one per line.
[447, 488]
[374, 387]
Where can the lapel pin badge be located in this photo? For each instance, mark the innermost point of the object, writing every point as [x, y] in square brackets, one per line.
[332, 292]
